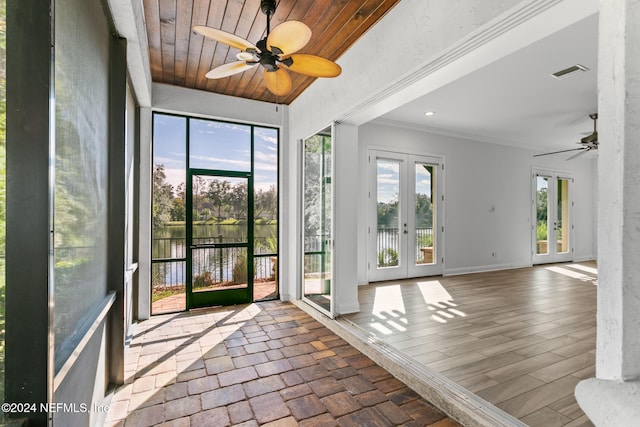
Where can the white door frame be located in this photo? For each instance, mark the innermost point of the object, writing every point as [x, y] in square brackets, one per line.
[407, 266]
[552, 254]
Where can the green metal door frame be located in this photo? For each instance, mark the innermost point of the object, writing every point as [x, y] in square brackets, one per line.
[226, 296]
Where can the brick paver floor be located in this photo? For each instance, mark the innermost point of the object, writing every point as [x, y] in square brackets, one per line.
[260, 364]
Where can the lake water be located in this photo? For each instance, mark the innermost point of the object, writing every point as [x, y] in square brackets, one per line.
[169, 243]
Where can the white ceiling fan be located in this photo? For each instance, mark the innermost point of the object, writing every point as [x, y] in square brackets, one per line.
[589, 142]
[276, 53]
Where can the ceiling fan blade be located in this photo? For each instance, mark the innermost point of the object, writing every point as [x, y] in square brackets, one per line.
[583, 151]
[556, 152]
[288, 37]
[224, 37]
[229, 69]
[278, 82]
[314, 66]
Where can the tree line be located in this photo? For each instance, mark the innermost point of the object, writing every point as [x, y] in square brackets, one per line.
[213, 200]
[388, 212]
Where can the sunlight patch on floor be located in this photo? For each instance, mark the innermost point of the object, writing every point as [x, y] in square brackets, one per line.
[585, 268]
[433, 292]
[438, 319]
[381, 328]
[388, 300]
[573, 274]
[388, 310]
[439, 300]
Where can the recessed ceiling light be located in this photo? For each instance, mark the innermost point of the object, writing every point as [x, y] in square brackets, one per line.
[429, 113]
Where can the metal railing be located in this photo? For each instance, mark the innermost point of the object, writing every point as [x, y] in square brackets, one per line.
[215, 265]
[388, 245]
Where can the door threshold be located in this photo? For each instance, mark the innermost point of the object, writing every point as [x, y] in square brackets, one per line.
[454, 400]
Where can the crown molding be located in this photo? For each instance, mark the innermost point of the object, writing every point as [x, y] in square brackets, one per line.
[453, 134]
[499, 26]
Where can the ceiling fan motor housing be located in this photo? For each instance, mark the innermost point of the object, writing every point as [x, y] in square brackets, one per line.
[269, 58]
[268, 7]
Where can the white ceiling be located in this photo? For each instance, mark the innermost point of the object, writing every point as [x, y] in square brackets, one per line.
[514, 100]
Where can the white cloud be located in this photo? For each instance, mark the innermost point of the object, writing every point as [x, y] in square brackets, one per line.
[241, 164]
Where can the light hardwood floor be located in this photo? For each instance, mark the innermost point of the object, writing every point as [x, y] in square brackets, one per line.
[520, 339]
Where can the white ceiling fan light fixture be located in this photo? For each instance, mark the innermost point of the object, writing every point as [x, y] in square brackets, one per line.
[276, 53]
[430, 113]
[245, 56]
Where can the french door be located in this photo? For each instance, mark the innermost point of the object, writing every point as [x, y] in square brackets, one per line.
[552, 228]
[220, 266]
[406, 206]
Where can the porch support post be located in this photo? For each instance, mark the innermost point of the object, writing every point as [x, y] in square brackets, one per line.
[611, 397]
[117, 208]
[29, 260]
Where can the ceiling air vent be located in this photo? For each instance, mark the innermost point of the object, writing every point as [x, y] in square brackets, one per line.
[568, 72]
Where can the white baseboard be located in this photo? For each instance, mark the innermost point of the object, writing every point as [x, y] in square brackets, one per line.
[483, 268]
[584, 258]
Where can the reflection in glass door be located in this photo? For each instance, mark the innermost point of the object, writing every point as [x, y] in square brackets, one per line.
[552, 228]
[405, 240]
[317, 283]
[220, 267]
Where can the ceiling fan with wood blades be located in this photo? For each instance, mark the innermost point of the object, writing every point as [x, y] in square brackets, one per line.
[276, 53]
[589, 142]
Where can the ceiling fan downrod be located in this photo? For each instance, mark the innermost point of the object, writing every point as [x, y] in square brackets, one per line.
[268, 7]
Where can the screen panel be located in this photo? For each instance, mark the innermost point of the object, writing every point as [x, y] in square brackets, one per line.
[81, 165]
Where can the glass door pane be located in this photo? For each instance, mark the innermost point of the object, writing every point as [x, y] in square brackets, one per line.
[317, 221]
[424, 237]
[542, 215]
[220, 257]
[424, 214]
[265, 214]
[388, 213]
[562, 205]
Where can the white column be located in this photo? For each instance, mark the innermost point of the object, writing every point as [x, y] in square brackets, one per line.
[346, 218]
[619, 191]
[609, 399]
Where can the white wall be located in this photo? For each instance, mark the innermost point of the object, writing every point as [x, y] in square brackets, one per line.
[478, 176]
[180, 100]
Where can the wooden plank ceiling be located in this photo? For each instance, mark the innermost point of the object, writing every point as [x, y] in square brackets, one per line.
[182, 57]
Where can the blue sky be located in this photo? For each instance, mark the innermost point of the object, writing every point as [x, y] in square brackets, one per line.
[214, 145]
[388, 173]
